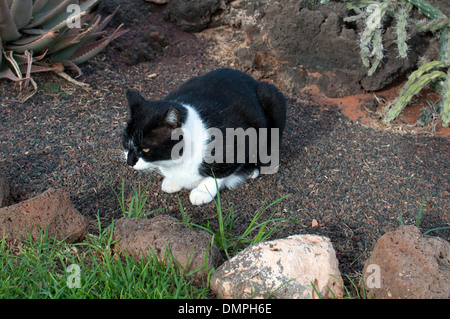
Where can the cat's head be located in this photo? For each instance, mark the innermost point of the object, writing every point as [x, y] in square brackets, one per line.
[147, 136]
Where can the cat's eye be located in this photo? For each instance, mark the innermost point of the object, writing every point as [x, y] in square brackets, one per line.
[145, 150]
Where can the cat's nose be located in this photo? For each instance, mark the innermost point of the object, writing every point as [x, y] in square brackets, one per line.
[132, 158]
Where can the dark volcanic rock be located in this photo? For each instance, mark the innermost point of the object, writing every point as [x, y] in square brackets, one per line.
[296, 45]
[192, 15]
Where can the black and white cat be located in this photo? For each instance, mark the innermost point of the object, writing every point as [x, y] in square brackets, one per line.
[216, 128]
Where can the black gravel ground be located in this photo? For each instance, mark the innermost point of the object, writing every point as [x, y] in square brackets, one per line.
[344, 181]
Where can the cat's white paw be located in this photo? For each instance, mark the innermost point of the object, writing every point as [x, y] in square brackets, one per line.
[255, 174]
[199, 197]
[170, 187]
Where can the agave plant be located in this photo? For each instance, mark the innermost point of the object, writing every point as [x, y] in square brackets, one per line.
[49, 35]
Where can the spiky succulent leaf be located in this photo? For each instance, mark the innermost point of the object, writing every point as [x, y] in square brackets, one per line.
[8, 29]
[65, 41]
[50, 12]
[38, 5]
[74, 30]
[38, 68]
[69, 48]
[6, 73]
[62, 26]
[42, 27]
[21, 12]
[36, 43]
[85, 49]
[63, 17]
[377, 51]
[86, 52]
[106, 20]
[14, 66]
[23, 58]
[49, 28]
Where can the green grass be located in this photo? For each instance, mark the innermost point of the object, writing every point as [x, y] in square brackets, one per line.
[39, 270]
[352, 293]
[42, 269]
[419, 219]
[258, 230]
[225, 237]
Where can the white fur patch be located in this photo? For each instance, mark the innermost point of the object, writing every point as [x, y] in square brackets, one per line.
[142, 165]
[170, 187]
[183, 171]
[204, 192]
[172, 117]
[255, 174]
[207, 188]
[232, 181]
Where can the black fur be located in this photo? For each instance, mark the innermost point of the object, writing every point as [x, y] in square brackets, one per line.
[224, 98]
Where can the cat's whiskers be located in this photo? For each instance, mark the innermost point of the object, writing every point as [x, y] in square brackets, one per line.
[119, 154]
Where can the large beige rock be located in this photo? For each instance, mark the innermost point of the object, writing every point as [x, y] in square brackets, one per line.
[406, 264]
[283, 268]
[164, 234]
[50, 211]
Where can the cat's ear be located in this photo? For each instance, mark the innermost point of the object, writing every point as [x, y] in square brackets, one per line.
[135, 100]
[173, 117]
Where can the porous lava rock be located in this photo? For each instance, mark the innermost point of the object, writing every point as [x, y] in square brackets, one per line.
[408, 265]
[166, 236]
[51, 212]
[192, 15]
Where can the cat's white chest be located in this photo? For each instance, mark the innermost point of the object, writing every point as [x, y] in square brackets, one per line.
[184, 171]
[185, 175]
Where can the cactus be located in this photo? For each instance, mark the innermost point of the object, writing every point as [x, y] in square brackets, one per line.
[445, 98]
[433, 25]
[401, 15]
[423, 76]
[374, 12]
[377, 51]
[427, 9]
[444, 50]
[371, 46]
[420, 78]
[41, 36]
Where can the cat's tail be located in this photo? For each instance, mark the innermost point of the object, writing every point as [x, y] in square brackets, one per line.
[274, 105]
